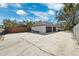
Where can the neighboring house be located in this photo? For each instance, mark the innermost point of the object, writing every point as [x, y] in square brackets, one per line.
[1, 26]
[1, 30]
[44, 27]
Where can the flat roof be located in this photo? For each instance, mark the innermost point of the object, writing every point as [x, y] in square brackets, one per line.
[44, 24]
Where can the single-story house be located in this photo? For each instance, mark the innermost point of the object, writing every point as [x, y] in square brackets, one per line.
[1, 30]
[44, 27]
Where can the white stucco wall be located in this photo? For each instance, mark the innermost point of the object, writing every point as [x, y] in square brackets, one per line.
[52, 28]
[41, 29]
[57, 28]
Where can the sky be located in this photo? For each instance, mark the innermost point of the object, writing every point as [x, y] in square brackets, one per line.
[29, 11]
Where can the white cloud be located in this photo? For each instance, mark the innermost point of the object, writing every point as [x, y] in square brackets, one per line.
[12, 18]
[18, 5]
[28, 20]
[54, 6]
[39, 13]
[43, 16]
[50, 12]
[21, 12]
[50, 5]
[3, 5]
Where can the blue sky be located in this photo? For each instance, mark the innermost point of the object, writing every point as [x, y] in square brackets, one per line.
[29, 11]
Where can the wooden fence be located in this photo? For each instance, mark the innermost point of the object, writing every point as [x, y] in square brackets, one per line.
[18, 29]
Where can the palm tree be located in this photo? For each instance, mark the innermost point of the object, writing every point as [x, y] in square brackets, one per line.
[29, 25]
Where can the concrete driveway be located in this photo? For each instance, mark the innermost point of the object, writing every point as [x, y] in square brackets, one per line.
[31, 44]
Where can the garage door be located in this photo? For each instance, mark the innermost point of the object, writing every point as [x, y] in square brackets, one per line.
[48, 29]
[54, 29]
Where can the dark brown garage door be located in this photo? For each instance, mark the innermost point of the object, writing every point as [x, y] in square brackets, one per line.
[48, 29]
[54, 29]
